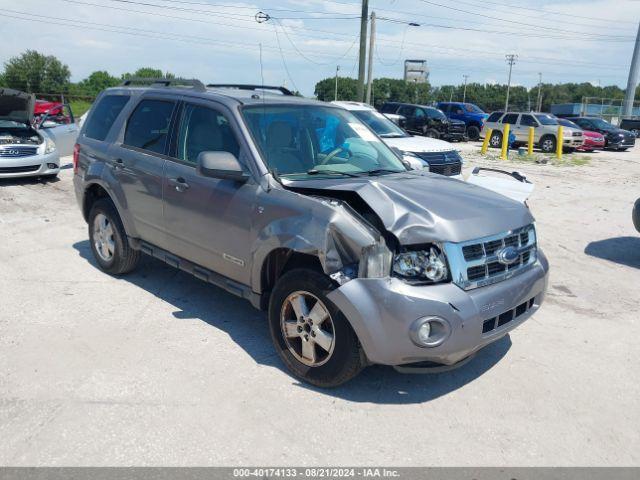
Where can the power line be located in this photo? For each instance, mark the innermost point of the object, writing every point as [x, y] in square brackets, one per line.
[476, 14]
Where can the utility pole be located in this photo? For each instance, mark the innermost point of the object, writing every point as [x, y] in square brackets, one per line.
[372, 38]
[364, 18]
[630, 94]
[511, 59]
[539, 101]
[464, 92]
[337, 70]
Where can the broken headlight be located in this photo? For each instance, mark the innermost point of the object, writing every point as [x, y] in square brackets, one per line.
[428, 264]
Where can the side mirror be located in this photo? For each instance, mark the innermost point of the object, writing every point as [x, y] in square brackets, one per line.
[223, 165]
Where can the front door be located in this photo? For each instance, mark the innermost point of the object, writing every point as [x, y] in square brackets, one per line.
[208, 220]
[60, 125]
[522, 130]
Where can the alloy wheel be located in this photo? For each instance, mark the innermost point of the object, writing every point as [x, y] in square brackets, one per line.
[307, 328]
[103, 238]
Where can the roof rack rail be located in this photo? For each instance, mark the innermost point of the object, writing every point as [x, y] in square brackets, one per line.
[165, 82]
[240, 86]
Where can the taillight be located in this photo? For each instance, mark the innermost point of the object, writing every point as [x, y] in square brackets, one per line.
[76, 157]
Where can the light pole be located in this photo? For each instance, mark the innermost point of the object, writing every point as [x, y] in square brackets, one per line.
[372, 39]
[511, 59]
[464, 92]
[364, 18]
[336, 94]
[539, 101]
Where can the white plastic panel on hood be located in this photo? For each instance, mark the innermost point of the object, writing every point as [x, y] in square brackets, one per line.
[507, 186]
[16, 106]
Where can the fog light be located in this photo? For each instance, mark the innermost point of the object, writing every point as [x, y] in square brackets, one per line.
[51, 166]
[423, 332]
[429, 331]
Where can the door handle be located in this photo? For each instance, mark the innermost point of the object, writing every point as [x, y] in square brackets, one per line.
[118, 164]
[179, 184]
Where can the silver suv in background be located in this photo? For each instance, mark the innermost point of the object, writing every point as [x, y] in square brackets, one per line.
[545, 130]
[297, 206]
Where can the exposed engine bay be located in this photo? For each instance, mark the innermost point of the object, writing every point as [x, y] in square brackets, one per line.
[19, 136]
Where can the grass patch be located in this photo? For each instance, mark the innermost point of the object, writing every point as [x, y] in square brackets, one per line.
[79, 107]
[568, 159]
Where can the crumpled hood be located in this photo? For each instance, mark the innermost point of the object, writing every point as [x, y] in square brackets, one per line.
[419, 207]
[16, 106]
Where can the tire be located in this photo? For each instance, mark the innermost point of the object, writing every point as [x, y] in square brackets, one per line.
[328, 365]
[108, 239]
[473, 133]
[635, 216]
[431, 133]
[635, 132]
[495, 141]
[548, 144]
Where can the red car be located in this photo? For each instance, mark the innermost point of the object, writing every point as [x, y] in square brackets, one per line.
[592, 140]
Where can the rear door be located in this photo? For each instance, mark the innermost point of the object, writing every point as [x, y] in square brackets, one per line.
[522, 131]
[208, 220]
[409, 112]
[137, 163]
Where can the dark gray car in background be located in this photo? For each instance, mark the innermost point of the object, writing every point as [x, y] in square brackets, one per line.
[299, 207]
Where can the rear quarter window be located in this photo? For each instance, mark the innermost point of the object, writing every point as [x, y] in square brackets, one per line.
[103, 116]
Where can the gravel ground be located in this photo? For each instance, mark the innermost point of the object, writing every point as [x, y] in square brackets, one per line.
[158, 368]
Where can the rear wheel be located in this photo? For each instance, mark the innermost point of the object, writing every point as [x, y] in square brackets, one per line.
[473, 132]
[310, 334]
[548, 144]
[109, 241]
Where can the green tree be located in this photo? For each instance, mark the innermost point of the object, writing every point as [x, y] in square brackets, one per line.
[34, 72]
[347, 89]
[95, 83]
[148, 72]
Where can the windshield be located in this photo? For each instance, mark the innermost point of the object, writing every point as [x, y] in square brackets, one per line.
[601, 124]
[470, 107]
[11, 124]
[379, 123]
[311, 141]
[547, 120]
[568, 123]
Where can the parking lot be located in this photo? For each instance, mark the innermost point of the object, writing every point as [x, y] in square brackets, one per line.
[159, 368]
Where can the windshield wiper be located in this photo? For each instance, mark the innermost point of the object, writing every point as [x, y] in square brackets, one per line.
[313, 171]
[382, 171]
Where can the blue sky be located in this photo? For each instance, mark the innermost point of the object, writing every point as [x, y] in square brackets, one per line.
[218, 40]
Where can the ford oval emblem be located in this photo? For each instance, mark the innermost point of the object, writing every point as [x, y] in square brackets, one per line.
[508, 255]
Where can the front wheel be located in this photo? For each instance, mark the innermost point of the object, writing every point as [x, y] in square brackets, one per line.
[431, 133]
[473, 133]
[310, 334]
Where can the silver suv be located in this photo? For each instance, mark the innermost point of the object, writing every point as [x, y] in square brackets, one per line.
[297, 206]
[545, 130]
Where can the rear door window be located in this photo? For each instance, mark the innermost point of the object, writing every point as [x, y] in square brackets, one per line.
[494, 117]
[510, 118]
[528, 121]
[103, 116]
[148, 125]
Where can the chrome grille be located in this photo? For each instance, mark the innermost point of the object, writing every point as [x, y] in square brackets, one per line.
[17, 151]
[476, 263]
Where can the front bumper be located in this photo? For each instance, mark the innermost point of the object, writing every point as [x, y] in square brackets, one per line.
[32, 166]
[382, 311]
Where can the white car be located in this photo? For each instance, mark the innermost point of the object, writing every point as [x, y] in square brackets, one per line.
[438, 156]
[420, 152]
[24, 151]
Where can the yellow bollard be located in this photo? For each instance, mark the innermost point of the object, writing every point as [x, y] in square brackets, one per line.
[485, 142]
[505, 141]
[559, 143]
[530, 145]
